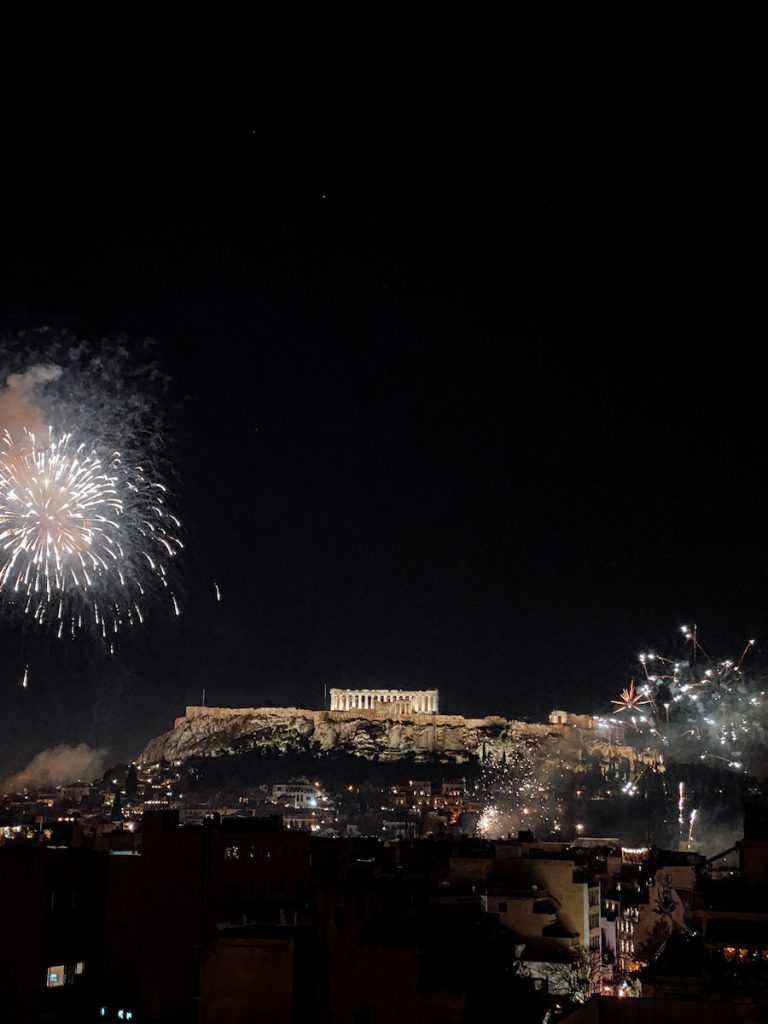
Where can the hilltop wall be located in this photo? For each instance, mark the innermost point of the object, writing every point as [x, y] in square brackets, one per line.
[375, 734]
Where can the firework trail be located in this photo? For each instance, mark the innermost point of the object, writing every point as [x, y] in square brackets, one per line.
[86, 539]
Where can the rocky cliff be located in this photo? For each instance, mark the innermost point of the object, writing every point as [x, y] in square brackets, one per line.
[210, 732]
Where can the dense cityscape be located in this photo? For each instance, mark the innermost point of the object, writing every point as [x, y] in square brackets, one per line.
[290, 884]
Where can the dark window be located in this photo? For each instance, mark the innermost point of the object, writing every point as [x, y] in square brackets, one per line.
[502, 908]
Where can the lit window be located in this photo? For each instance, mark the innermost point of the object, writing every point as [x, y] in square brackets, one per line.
[55, 976]
[231, 852]
[80, 968]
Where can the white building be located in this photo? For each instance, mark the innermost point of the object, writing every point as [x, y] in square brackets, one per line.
[296, 794]
[395, 702]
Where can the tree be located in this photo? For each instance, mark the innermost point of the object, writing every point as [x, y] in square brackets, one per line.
[576, 978]
[131, 781]
[116, 814]
[658, 935]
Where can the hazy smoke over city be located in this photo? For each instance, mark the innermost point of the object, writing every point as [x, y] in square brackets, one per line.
[59, 765]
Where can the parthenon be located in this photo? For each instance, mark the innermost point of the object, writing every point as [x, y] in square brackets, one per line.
[396, 702]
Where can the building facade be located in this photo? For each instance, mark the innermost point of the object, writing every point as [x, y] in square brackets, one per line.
[296, 794]
[396, 702]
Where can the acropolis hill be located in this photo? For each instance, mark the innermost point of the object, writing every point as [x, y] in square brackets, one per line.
[379, 734]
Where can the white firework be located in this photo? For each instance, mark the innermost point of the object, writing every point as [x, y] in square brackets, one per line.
[80, 537]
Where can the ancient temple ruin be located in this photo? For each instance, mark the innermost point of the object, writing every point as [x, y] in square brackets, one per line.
[394, 702]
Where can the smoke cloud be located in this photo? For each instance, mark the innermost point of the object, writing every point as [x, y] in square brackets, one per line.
[18, 411]
[27, 381]
[59, 765]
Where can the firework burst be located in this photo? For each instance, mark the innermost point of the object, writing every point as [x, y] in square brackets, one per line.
[489, 823]
[80, 538]
[630, 699]
[86, 538]
[700, 707]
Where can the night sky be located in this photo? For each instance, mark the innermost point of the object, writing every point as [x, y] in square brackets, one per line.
[465, 331]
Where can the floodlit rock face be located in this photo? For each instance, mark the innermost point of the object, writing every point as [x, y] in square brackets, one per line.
[210, 732]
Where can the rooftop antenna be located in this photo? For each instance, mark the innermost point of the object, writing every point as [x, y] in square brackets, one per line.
[203, 696]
